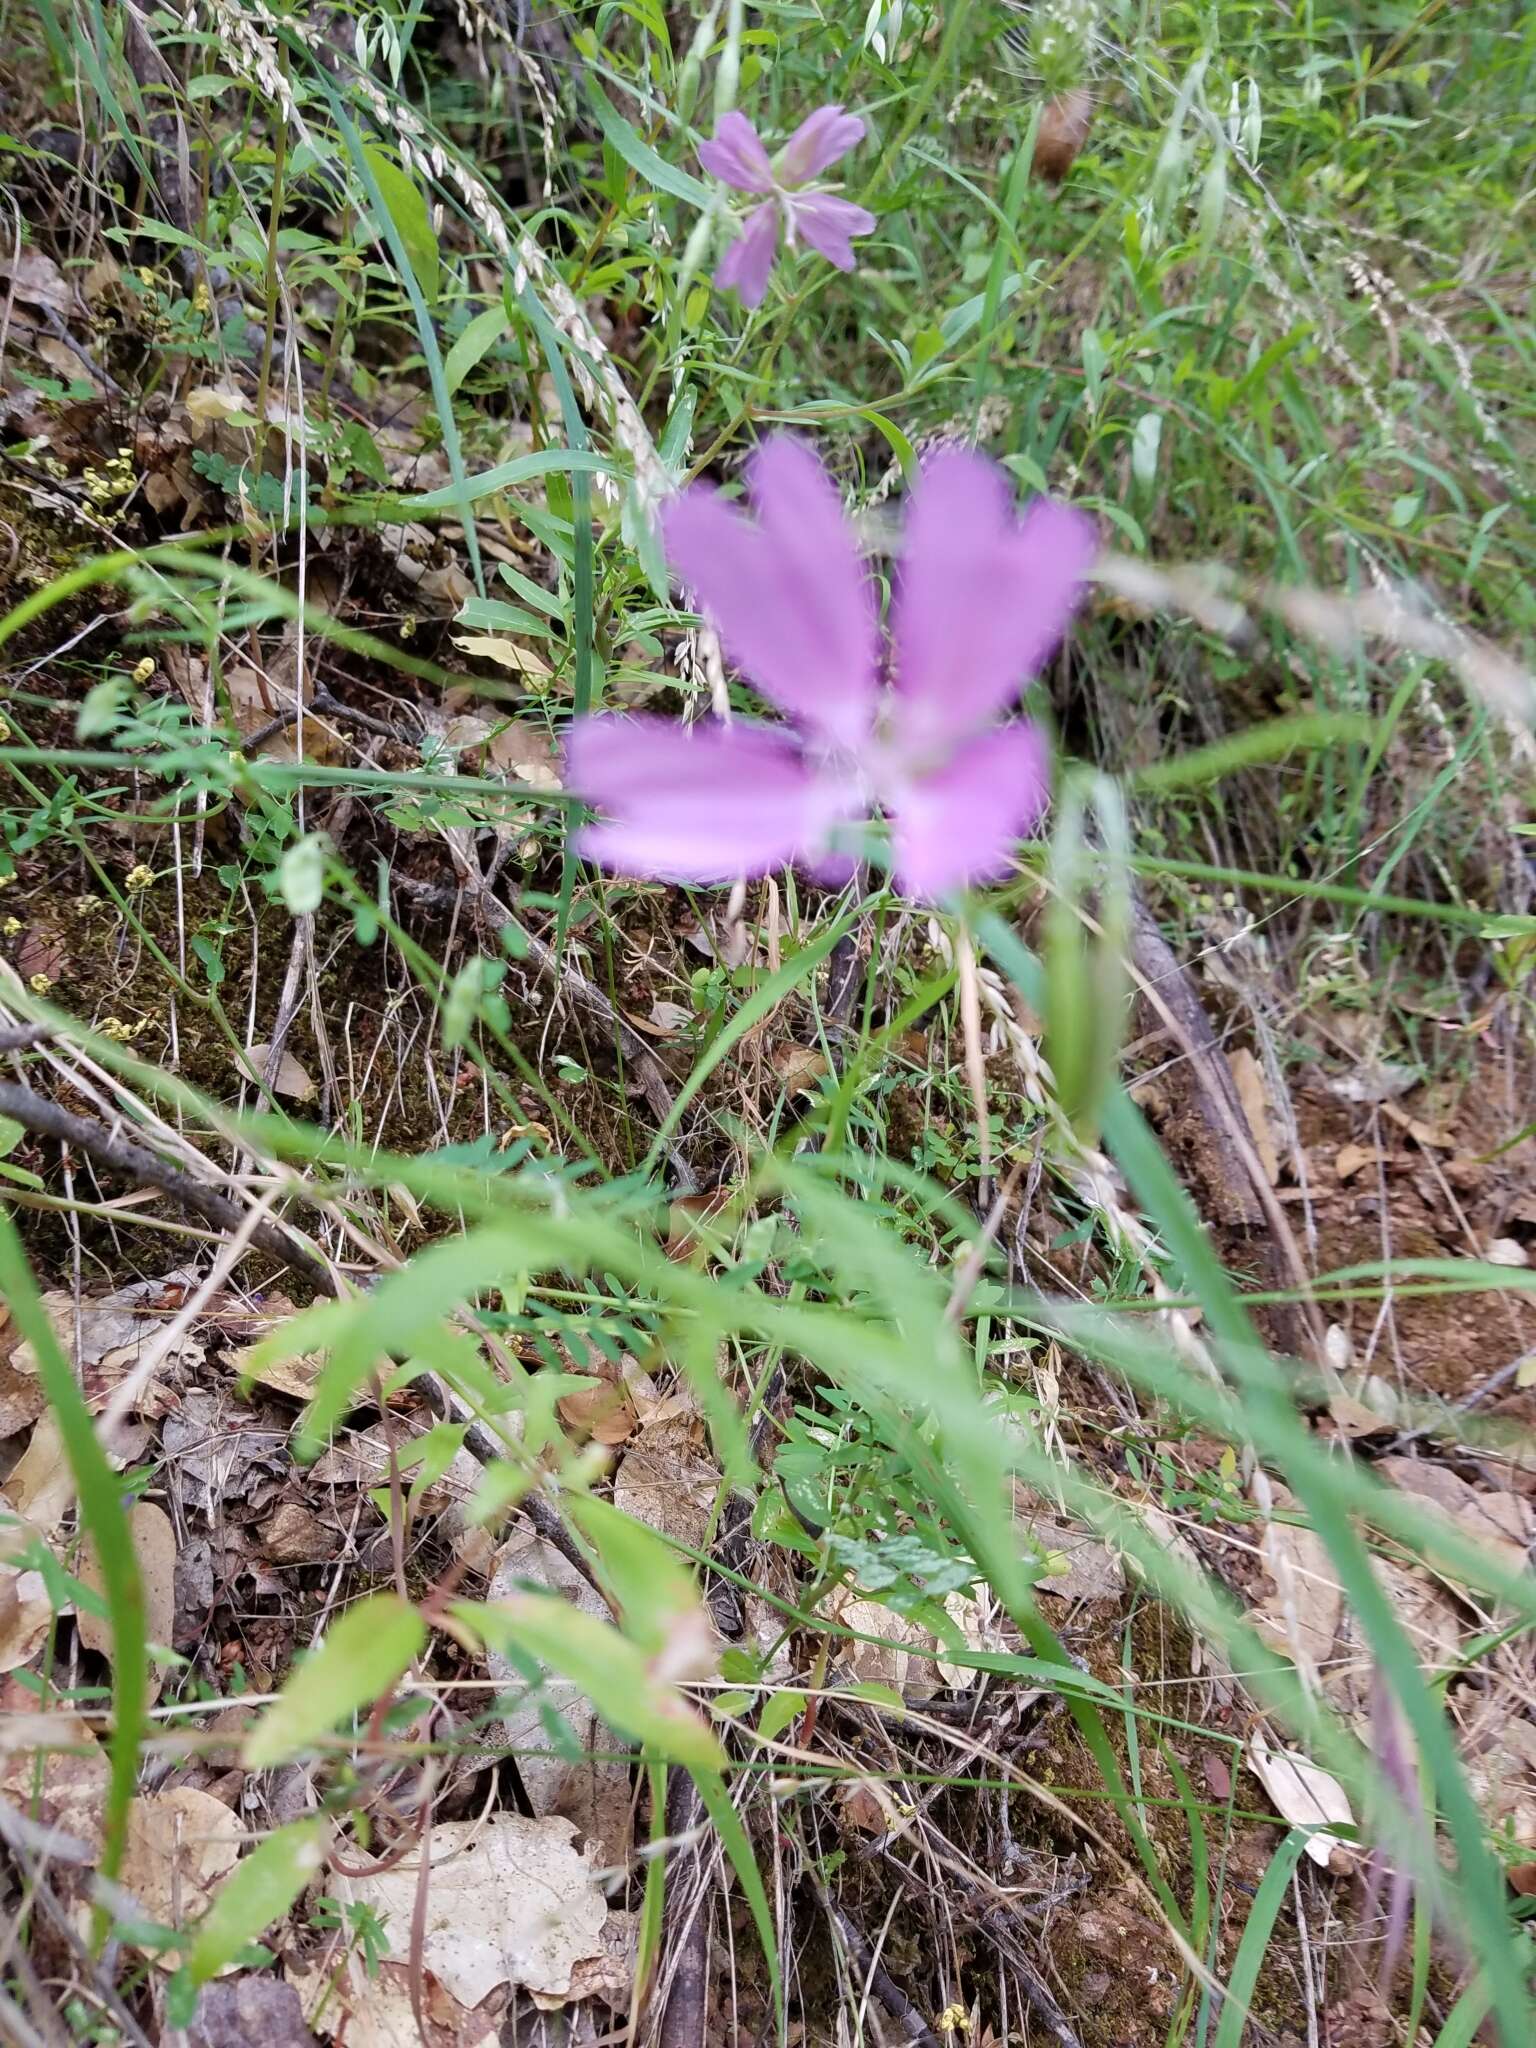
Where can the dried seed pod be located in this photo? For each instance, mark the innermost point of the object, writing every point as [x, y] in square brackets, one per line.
[1064, 124]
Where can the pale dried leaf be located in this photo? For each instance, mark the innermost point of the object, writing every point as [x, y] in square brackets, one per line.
[668, 1481]
[509, 1902]
[1305, 1797]
[1300, 1618]
[180, 1844]
[290, 1081]
[593, 1793]
[154, 1545]
[41, 1488]
[1248, 1079]
[1501, 1524]
[25, 1616]
[1507, 1251]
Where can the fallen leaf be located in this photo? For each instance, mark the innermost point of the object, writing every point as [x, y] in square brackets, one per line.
[26, 1613]
[666, 1480]
[1350, 1158]
[1078, 1565]
[1304, 1797]
[1248, 1079]
[1501, 1524]
[1421, 1133]
[903, 1656]
[290, 1079]
[509, 1901]
[221, 1453]
[154, 1545]
[592, 1793]
[1300, 1618]
[1507, 1251]
[509, 654]
[180, 1843]
[41, 1488]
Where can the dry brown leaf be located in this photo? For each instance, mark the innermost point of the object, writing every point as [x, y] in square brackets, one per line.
[1248, 1079]
[26, 1614]
[1499, 1752]
[1350, 1158]
[1300, 1618]
[180, 1844]
[668, 1481]
[593, 1793]
[290, 1080]
[509, 1901]
[53, 1769]
[35, 279]
[1366, 1405]
[154, 1545]
[1304, 1796]
[41, 1488]
[1501, 1524]
[1078, 1565]
[799, 1068]
[1425, 1616]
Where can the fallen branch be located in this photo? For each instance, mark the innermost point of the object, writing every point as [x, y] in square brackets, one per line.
[117, 1155]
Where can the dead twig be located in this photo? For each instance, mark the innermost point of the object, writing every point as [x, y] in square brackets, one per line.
[36, 1113]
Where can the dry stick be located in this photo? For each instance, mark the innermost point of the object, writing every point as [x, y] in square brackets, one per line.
[117, 1155]
[909, 2021]
[1166, 986]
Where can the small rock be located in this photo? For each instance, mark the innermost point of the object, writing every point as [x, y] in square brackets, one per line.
[295, 1536]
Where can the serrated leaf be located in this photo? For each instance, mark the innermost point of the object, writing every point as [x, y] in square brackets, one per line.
[364, 1654]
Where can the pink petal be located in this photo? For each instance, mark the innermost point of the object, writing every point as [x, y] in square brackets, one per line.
[745, 265]
[737, 155]
[982, 598]
[826, 224]
[959, 826]
[694, 805]
[820, 140]
[789, 592]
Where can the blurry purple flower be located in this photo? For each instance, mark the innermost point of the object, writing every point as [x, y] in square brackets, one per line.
[981, 601]
[822, 220]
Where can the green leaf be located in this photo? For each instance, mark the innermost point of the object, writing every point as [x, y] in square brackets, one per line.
[301, 874]
[362, 1657]
[1253, 1947]
[614, 1673]
[519, 471]
[779, 1710]
[478, 338]
[654, 1590]
[639, 155]
[408, 210]
[260, 1890]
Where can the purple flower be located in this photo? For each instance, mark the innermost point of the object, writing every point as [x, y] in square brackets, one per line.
[822, 220]
[981, 601]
